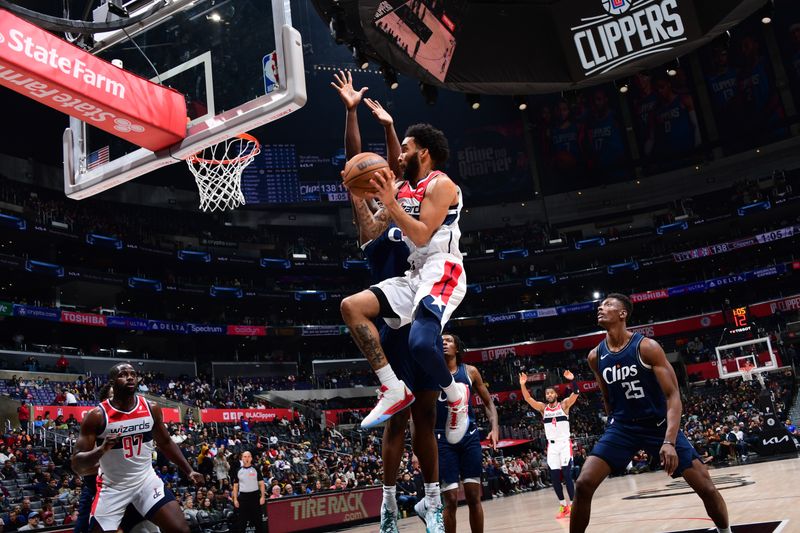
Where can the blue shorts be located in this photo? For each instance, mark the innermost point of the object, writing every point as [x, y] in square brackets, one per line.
[459, 461]
[395, 346]
[622, 441]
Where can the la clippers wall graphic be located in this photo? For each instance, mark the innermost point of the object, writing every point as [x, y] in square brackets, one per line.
[613, 33]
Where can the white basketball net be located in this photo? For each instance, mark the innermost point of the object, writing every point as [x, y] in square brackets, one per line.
[218, 172]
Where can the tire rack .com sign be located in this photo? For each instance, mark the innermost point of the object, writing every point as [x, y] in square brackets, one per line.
[317, 511]
[602, 35]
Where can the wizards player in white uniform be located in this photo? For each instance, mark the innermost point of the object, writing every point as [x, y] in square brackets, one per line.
[559, 446]
[387, 257]
[641, 397]
[426, 209]
[117, 438]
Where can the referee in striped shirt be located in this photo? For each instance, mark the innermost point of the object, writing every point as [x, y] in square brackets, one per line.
[249, 495]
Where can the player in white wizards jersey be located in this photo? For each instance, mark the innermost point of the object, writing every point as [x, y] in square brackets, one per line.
[559, 446]
[117, 439]
[426, 209]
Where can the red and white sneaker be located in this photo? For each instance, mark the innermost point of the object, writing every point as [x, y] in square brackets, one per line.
[390, 402]
[563, 511]
[457, 417]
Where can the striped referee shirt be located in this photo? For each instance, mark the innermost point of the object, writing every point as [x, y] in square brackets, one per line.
[247, 478]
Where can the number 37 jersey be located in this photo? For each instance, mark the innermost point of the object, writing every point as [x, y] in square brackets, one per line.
[633, 390]
[130, 461]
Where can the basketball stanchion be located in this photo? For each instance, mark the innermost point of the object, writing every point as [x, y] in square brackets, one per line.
[218, 171]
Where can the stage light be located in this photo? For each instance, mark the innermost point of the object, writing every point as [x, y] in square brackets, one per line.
[673, 66]
[767, 12]
[474, 100]
[521, 102]
[360, 58]
[390, 77]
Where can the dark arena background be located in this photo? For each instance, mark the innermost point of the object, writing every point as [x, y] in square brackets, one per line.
[643, 147]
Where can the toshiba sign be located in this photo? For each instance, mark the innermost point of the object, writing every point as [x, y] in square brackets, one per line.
[44, 68]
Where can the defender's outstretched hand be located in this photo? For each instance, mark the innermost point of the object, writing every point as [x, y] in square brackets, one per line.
[344, 86]
[380, 114]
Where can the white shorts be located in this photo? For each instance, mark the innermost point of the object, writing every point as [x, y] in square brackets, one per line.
[440, 285]
[559, 454]
[109, 504]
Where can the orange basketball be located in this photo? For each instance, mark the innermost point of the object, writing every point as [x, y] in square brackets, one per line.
[360, 169]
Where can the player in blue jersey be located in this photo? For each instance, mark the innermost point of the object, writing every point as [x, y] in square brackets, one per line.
[462, 461]
[387, 257]
[675, 129]
[641, 397]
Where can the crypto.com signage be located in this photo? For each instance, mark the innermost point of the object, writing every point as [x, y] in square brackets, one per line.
[39, 65]
[602, 35]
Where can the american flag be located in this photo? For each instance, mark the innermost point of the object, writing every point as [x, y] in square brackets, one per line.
[97, 158]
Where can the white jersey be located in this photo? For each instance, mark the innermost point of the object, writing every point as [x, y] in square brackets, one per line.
[556, 423]
[130, 461]
[445, 239]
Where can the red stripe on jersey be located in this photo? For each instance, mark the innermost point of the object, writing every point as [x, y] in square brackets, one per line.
[114, 415]
[99, 483]
[449, 281]
[417, 193]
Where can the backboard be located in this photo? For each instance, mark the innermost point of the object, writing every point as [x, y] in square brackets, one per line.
[239, 65]
[748, 357]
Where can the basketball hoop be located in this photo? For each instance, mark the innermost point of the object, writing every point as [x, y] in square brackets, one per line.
[747, 372]
[218, 171]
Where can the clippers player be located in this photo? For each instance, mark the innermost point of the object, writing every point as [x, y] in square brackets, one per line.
[641, 397]
[426, 209]
[559, 446]
[462, 461]
[387, 257]
[118, 435]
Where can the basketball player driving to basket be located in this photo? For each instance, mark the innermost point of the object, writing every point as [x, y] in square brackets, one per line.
[117, 440]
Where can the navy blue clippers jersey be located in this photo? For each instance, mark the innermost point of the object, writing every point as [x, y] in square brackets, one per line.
[633, 391]
[460, 376]
[387, 255]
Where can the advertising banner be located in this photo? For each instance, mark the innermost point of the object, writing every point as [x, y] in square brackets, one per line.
[41, 313]
[247, 331]
[170, 414]
[84, 319]
[318, 511]
[253, 416]
[46, 69]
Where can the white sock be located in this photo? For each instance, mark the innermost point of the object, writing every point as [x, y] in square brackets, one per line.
[453, 391]
[563, 502]
[724, 529]
[387, 377]
[432, 497]
[390, 498]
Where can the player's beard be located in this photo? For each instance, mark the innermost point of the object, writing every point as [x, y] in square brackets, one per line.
[412, 168]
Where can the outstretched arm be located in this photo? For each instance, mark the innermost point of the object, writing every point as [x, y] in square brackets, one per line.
[488, 404]
[86, 458]
[343, 83]
[602, 384]
[370, 225]
[169, 448]
[652, 354]
[392, 142]
[570, 400]
[523, 385]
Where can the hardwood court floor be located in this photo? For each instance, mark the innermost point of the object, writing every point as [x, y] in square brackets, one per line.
[652, 502]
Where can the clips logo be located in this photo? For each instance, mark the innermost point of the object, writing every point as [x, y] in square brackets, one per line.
[616, 7]
[627, 31]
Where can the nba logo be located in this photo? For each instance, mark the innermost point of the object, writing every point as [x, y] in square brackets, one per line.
[616, 7]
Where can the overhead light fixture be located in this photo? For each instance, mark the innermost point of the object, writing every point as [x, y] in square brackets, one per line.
[474, 100]
[390, 77]
[767, 12]
[596, 295]
[521, 102]
[360, 57]
[622, 86]
[429, 92]
[215, 17]
[672, 67]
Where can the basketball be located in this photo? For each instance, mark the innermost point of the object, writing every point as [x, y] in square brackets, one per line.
[360, 169]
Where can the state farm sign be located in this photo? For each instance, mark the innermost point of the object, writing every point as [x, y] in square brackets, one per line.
[39, 65]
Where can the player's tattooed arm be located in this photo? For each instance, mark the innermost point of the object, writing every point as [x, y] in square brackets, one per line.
[602, 384]
[369, 346]
[523, 385]
[370, 226]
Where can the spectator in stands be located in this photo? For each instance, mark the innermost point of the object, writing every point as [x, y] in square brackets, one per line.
[31, 364]
[406, 493]
[221, 466]
[33, 522]
[275, 492]
[71, 399]
[8, 471]
[62, 364]
[24, 414]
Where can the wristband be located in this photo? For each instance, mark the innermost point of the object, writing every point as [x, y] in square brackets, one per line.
[670, 443]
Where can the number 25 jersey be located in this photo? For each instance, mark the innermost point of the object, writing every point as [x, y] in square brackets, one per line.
[130, 461]
[633, 390]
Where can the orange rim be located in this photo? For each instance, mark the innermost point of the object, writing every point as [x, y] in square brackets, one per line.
[245, 137]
